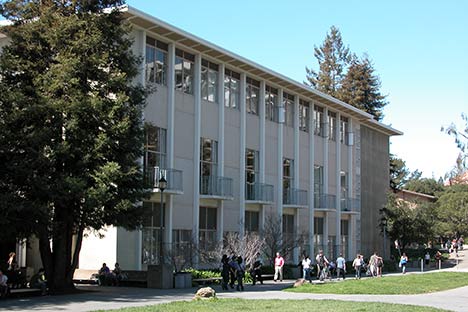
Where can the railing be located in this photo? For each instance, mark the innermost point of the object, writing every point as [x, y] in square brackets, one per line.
[294, 196]
[350, 204]
[325, 201]
[216, 186]
[259, 192]
[172, 176]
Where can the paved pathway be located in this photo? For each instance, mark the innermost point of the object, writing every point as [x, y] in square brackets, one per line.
[94, 297]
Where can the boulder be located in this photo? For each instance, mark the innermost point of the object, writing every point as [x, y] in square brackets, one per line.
[205, 293]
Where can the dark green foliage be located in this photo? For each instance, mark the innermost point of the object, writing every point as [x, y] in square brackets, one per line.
[427, 186]
[333, 58]
[361, 87]
[452, 211]
[70, 127]
[398, 173]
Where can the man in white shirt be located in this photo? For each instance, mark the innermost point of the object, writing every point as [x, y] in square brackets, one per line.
[306, 268]
[340, 266]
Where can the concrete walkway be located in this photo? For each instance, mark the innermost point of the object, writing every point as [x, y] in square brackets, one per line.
[94, 297]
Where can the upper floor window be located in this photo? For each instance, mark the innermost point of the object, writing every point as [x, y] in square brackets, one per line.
[318, 185]
[271, 101]
[303, 115]
[231, 89]
[155, 147]
[344, 130]
[251, 173]
[208, 157]
[209, 81]
[288, 101]
[288, 173]
[332, 126]
[318, 121]
[252, 95]
[156, 61]
[184, 68]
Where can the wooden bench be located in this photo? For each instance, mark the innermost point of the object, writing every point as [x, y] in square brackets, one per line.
[207, 281]
[134, 278]
[268, 276]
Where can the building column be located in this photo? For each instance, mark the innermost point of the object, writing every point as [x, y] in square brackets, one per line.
[242, 145]
[325, 177]
[279, 177]
[220, 223]
[196, 151]
[338, 183]
[170, 137]
[311, 178]
[296, 171]
[351, 175]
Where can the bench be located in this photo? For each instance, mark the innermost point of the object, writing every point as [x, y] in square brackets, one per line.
[134, 278]
[268, 276]
[207, 281]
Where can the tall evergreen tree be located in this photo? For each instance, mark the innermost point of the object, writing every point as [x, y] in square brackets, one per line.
[70, 127]
[361, 88]
[333, 58]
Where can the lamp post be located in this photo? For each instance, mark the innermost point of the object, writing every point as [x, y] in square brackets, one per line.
[162, 186]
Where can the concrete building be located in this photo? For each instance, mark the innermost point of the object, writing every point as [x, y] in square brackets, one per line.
[240, 144]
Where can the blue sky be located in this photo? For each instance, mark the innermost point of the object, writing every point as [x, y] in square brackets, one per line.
[419, 50]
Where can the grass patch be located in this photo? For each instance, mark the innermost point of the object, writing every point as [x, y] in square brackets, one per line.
[390, 285]
[236, 305]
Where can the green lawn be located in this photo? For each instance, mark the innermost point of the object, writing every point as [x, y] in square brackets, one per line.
[390, 285]
[236, 305]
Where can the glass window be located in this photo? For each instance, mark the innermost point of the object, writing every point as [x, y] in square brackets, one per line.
[332, 126]
[151, 232]
[271, 102]
[209, 81]
[184, 67]
[288, 224]
[318, 185]
[251, 172]
[318, 121]
[155, 147]
[252, 94]
[252, 221]
[318, 234]
[208, 157]
[156, 61]
[231, 89]
[303, 116]
[288, 102]
[344, 130]
[207, 228]
[288, 173]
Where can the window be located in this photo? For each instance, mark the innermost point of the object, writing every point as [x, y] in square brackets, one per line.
[208, 157]
[156, 61]
[332, 126]
[288, 173]
[207, 226]
[209, 81]
[288, 224]
[184, 66]
[318, 234]
[251, 173]
[151, 232]
[252, 221]
[231, 89]
[155, 147]
[318, 186]
[318, 121]
[345, 237]
[288, 102]
[271, 101]
[303, 116]
[344, 190]
[344, 130]
[252, 96]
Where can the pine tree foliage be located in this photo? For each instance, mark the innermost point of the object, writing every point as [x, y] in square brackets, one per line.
[361, 87]
[70, 127]
[333, 58]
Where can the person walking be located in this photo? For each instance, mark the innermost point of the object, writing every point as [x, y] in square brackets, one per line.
[373, 264]
[357, 264]
[256, 271]
[225, 272]
[240, 273]
[306, 262]
[403, 262]
[340, 267]
[322, 263]
[279, 263]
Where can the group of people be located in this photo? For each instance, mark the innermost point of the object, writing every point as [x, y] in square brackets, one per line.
[372, 268]
[233, 270]
[106, 277]
[325, 268]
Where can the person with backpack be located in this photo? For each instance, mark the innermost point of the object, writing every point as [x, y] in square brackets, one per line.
[322, 263]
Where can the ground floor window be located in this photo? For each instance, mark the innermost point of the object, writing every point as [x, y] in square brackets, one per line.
[345, 238]
[151, 232]
[208, 228]
[252, 221]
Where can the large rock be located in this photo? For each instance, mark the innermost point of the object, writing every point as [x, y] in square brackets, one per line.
[205, 293]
